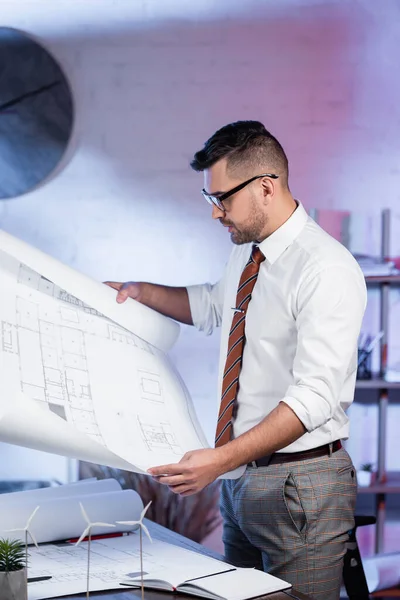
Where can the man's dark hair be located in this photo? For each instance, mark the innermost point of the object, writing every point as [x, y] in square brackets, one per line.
[249, 149]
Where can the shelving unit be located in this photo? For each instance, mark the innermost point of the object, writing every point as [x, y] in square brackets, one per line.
[386, 483]
[377, 383]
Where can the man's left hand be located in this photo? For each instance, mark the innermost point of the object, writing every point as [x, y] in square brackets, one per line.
[195, 471]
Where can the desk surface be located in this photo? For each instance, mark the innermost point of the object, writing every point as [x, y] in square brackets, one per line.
[165, 535]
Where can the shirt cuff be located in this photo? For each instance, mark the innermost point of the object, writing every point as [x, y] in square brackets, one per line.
[312, 410]
[199, 299]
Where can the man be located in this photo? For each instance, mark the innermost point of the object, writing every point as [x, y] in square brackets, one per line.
[290, 304]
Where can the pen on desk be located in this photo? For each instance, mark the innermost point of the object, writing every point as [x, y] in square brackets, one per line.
[103, 536]
[42, 578]
[211, 574]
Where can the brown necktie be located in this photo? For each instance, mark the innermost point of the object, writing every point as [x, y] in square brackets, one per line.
[230, 382]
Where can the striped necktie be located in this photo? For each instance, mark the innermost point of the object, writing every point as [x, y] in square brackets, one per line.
[233, 365]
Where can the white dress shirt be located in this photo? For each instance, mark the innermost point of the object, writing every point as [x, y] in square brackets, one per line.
[302, 327]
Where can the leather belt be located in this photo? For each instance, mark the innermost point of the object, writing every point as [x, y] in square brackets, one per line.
[283, 457]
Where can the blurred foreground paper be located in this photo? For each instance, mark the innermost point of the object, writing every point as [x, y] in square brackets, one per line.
[83, 376]
[382, 571]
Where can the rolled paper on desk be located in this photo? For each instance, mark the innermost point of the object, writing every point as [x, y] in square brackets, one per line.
[79, 488]
[61, 518]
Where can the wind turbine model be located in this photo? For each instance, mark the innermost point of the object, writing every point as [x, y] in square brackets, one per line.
[142, 527]
[27, 532]
[88, 533]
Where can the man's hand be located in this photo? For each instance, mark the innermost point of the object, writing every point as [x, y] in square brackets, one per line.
[130, 289]
[195, 471]
[172, 302]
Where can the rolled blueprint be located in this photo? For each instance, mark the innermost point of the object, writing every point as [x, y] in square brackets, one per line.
[62, 519]
[79, 488]
[82, 376]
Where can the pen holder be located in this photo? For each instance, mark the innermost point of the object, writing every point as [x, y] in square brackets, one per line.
[364, 370]
[13, 585]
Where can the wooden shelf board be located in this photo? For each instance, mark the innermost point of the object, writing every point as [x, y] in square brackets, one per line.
[376, 383]
[383, 279]
[389, 593]
[380, 488]
[390, 486]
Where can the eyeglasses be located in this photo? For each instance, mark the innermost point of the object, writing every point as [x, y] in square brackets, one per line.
[218, 200]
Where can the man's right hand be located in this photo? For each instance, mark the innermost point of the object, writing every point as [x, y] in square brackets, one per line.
[129, 289]
[172, 302]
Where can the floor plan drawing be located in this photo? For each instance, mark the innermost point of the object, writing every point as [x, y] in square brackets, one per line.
[50, 341]
[9, 339]
[52, 354]
[159, 436]
[150, 384]
[85, 383]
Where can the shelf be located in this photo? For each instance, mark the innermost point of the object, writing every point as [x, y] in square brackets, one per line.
[383, 279]
[391, 486]
[377, 384]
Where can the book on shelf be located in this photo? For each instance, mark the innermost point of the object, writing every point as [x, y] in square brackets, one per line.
[375, 266]
[58, 566]
[362, 234]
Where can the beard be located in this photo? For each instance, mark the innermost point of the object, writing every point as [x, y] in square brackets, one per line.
[243, 236]
[251, 230]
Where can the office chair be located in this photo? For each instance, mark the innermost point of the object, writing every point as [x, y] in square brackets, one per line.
[353, 571]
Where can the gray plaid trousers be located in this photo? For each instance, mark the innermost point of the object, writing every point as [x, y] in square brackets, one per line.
[292, 520]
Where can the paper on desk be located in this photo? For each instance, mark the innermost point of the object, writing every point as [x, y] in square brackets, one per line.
[50, 522]
[112, 560]
[75, 383]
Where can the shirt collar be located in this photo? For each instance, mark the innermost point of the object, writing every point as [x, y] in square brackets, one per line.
[275, 244]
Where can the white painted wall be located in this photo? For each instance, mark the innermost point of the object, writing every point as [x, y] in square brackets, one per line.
[152, 80]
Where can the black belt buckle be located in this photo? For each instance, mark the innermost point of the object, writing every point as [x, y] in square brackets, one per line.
[261, 462]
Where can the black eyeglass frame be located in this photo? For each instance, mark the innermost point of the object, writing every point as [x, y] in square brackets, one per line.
[218, 200]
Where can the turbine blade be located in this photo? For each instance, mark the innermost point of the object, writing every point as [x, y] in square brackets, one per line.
[128, 522]
[33, 538]
[144, 511]
[84, 513]
[31, 517]
[84, 534]
[102, 525]
[146, 532]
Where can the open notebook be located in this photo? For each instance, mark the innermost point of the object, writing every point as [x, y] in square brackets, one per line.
[232, 584]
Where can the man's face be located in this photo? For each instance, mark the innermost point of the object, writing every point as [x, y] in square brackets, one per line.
[244, 214]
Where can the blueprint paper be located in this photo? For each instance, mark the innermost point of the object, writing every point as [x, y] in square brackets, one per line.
[146, 323]
[76, 383]
[75, 380]
[61, 518]
[111, 562]
[27, 424]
